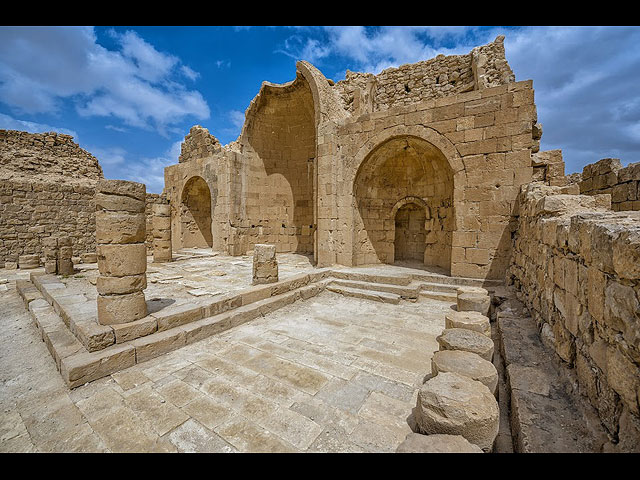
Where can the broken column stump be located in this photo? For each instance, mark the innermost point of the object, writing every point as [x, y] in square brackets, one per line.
[473, 299]
[453, 404]
[50, 252]
[65, 252]
[265, 265]
[121, 251]
[161, 221]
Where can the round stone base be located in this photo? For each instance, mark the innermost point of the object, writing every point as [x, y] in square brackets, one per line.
[467, 364]
[470, 320]
[466, 340]
[116, 309]
[453, 404]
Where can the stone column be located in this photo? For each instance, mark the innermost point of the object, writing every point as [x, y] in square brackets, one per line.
[121, 251]
[265, 265]
[65, 252]
[161, 221]
[50, 252]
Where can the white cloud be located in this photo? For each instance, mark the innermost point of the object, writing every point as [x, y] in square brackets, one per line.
[237, 118]
[189, 73]
[118, 164]
[40, 67]
[9, 123]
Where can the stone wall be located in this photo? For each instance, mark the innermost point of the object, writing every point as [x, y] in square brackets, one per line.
[47, 187]
[197, 144]
[576, 264]
[608, 176]
[31, 211]
[45, 157]
[151, 199]
[483, 138]
[483, 67]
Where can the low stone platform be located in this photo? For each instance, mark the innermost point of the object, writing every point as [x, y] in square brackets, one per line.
[329, 374]
[184, 305]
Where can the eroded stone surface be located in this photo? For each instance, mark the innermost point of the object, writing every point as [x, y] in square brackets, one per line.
[456, 405]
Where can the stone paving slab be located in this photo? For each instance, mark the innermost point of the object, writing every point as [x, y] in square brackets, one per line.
[243, 389]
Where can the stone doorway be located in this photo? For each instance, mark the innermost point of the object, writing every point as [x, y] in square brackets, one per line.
[195, 214]
[410, 233]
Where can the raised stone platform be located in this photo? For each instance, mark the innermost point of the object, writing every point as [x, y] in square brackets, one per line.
[184, 305]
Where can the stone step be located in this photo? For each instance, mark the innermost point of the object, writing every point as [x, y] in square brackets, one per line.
[407, 292]
[376, 296]
[372, 277]
[438, 287]
[431, 277]
[443, 296]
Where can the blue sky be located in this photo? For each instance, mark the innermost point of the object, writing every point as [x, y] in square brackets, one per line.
[129, 95]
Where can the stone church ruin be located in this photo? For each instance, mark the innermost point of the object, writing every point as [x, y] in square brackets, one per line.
[500, 289]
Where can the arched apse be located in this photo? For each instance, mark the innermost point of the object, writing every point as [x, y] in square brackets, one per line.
[400, 168]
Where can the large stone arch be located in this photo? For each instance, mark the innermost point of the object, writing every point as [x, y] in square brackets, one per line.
[195, 214]
[393, 169]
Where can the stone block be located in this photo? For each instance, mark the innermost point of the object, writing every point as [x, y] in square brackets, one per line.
[134, 190]
[115, 309]
[453, 404]
[470, 320]
[474, 302]
[120, 227]
[265, 265]
[122, 260]
[121, 285]
[467, 364]
[466, 340]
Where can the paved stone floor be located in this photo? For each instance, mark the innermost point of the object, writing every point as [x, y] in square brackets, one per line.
[331, 374]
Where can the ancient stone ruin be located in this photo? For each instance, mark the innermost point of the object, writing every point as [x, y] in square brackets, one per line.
[384, 263]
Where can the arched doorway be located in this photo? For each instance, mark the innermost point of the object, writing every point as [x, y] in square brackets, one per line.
[195, 214]
[403, 195]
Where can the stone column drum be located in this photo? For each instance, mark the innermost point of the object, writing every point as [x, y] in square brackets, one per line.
[265, 265]
[121, 251]
[50, 252]
[65, 252]
[161, 221]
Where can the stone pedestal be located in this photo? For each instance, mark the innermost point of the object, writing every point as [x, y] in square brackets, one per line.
[453, 404]
[474, 299]
[469, 320]
[65, 252]
[50, 253]
[265, 265]
[161, 221]
[466, 340]
[121, 251]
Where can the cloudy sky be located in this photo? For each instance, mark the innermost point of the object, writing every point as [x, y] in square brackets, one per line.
[130, 94]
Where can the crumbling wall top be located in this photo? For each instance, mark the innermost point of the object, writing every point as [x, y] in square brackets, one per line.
[45, 157]
[199, 143]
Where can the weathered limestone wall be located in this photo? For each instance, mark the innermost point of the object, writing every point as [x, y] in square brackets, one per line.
[197, 144]
[278, 167]
[47, 185]
[151, 200]
[483, 67]
[608, 176]
[487, 138]
[187, 183]
[577, 267]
